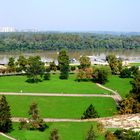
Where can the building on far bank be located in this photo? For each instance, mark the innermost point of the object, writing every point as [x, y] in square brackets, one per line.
[7, 29]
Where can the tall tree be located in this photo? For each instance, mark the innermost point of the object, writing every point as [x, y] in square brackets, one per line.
[120, 65]
[135, 92]
[54, 135]
[125, 73]
[5, 115]
[53, 66]
[84, 62]
[22, 63]
[90, 113]
[35, 68]
[63, 62]
[34, 120]
[100, 75]
[91, 134]
[11, 64]
[113, 63]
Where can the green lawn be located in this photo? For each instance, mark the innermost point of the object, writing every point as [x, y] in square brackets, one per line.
[55, 85]
[3, 138]
[121, 85]
[61, 107]
[135, 64]
[67, 131]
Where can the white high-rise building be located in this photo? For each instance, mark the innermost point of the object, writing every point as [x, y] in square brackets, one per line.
[7, 29]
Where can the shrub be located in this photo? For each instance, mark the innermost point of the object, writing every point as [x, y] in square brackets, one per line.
[73, 68]
[125, 73]
[109, 136]
[100, 75]
[90, 113]
[47, 76]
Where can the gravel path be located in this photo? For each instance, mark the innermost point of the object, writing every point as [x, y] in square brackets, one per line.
[9, 137]
[116, 95]
[118, 121]
[55, 94]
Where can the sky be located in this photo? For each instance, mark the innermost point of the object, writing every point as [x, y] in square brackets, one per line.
[71, 15]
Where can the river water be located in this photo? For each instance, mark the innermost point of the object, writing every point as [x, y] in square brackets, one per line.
[47, 56]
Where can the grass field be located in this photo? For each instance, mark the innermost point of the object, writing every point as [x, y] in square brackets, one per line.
[3, 138]
[67, 131]
[135, 64]
[61, 107]
[121, 85]
[55, 85]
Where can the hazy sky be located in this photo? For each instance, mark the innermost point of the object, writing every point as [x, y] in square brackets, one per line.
[71, 15]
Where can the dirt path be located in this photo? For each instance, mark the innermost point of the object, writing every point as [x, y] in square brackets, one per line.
[116, 95]
[118, 121]
[55, 94]
[9, 137]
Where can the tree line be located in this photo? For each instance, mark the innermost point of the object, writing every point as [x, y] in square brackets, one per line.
[70, 41]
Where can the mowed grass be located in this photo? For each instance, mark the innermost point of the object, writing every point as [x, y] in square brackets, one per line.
[67, 131]
[55, 85]
[135, 64]
[60, 107]
[121, 85]
[3, 138]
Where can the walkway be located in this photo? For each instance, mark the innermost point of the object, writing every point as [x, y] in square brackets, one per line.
[55, 94]
[9, 137]
[116, 95]
[118, 121]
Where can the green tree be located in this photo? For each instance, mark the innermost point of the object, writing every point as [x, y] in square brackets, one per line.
[5, 115]
[47, 76]
[53, 66]
[11, 64]
[91, 134]
[90, 113]
[35, 68]
[125, 73]
[127, 135]
[136, 85]
[22, 63]
[54, 135]
[63, 63]
[115, 65]
[100, 75]
[34, 120]
[134, 70]
[120, 65]
[84, 62]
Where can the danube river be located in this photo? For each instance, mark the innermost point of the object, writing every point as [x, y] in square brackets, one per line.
[47, 56]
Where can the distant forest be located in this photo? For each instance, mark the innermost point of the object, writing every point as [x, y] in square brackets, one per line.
[68, 41]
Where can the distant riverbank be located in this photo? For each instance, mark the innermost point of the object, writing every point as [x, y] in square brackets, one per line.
[47, 56]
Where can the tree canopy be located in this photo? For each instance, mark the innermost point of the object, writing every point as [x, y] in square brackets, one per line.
[63, 63]
[35, 68]
[71, 41]
[90, 113]
[5, 115]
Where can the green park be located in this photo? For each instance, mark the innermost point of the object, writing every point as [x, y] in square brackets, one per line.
[59, 100]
